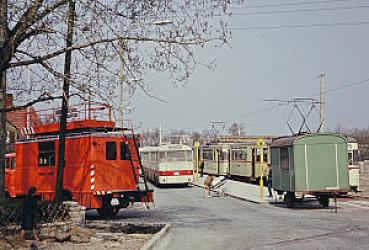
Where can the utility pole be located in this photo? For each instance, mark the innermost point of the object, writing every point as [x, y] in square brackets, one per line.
[221, 126]
[160, 142]
[122, 48]
[322, 102]
[65, 103]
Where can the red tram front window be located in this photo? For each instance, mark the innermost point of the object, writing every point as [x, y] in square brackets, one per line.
[124, 151]
[12, 164]
[46, 154]
[7, 163]
[111, 150]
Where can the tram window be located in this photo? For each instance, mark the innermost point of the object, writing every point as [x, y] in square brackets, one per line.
[284, 159]
[242, 155]
[111, 150]
[233, 154]
[7, 163]
[258, 154]
[350, 158]
[12, 164]
[143, 156]
[153, 156]
[207, 154]
[222, 155]
[124, 151]
[176, 156]
[162, 156]
[189, 155]
[355, 158]
[46, 154]
[265, 154]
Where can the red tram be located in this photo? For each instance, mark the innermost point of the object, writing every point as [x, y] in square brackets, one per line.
[102, 164]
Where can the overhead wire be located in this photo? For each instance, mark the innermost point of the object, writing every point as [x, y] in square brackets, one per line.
[303, 25]
[301, 10]
[293, 4]
[287, 103]
[343, 87]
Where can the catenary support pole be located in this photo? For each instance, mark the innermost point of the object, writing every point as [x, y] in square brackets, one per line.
[322, 102]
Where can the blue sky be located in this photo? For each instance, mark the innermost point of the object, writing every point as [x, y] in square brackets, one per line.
[275, 63]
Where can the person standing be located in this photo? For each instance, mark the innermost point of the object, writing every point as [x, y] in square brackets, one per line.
[202, 169]
[29, 210]
[270, 183]
[207, 185]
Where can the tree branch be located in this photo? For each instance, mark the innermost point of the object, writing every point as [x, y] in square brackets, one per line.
[34, 32]
[42, 98]
[30, 17]
[107, 40]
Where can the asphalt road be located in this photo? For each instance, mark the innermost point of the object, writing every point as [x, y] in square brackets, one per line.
[228, 223]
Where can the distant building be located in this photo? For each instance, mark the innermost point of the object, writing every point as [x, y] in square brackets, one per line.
[19, 119]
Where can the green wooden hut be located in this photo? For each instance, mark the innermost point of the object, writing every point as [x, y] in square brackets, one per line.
[310, 164]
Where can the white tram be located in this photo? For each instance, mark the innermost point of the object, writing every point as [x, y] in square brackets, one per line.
[353, 163]
[168, 163]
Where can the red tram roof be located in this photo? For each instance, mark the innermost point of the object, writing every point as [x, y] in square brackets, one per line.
[73, 125]
[79, 118]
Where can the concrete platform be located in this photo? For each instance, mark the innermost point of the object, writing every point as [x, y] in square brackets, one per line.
[237, 189]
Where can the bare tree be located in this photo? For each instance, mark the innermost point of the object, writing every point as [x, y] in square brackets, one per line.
[150, 137]
[236, 129]
[32, 34]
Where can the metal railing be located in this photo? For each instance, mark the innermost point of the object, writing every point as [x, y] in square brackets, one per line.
[87, 111]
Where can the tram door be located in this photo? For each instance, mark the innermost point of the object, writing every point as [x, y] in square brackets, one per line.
[229, 161]
[253, 161]
[217, 154]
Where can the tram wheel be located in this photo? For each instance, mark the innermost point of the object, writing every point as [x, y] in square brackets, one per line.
[156, 182]
[108, 212]
[67, 195]
[124, 203]
[289, 199]
[107, 209]
[324, 200]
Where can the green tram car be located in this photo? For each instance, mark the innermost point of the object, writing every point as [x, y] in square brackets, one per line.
[240, 160]
[314, 164]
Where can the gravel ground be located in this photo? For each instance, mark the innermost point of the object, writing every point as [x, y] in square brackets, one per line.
[96, 235]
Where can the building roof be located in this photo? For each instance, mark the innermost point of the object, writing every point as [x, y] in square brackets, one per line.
[18, 118]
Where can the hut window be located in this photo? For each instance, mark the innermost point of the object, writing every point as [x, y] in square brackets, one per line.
[111, 150]
[46, 154]
[284, 159]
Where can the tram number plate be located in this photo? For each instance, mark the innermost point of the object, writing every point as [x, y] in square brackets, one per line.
[176, 173]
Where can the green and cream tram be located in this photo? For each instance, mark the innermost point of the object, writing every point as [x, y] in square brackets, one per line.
[235, 159]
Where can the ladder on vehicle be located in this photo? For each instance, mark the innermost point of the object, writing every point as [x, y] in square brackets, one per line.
[141, 177]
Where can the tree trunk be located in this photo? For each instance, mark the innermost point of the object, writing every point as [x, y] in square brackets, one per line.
[3, 33]
[64, 110]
